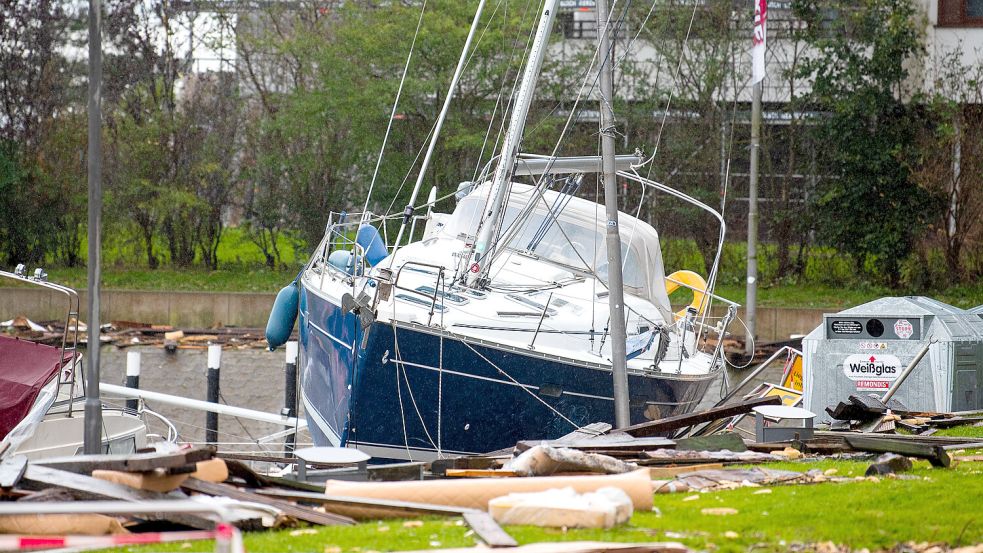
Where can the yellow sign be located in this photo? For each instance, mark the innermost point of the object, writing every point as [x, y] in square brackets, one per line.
[790, 398]
[793, 372]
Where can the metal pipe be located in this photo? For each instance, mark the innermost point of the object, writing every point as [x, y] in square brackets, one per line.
[541, 317]
[537, 165]
[904, 374]
[753, 374]
[200, 405]
[408, 212]
[93, 405]
[214, 368]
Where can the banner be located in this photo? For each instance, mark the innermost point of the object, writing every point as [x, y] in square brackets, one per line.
[758, 39]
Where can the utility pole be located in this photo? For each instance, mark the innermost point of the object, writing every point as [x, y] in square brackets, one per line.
[752, 222]
[616, 291]
[93, 405]
[759, 38]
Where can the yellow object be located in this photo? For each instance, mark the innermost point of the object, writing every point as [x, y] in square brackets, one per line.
[793, 372]
[692, 281]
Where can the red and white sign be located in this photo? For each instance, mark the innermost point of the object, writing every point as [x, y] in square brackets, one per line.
[758, 40]
[903, 329]
[873, 385]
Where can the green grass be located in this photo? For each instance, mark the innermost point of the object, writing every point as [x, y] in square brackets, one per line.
[939, 506]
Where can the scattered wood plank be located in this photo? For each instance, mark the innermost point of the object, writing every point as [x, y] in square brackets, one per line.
[716, 442]
[615, 445]
[662, 426]
[478, 473]
[82, 487]
[935, 453]
[134, 462]
[12, 470]
[488, 530]
[668, 472]
[290, 509]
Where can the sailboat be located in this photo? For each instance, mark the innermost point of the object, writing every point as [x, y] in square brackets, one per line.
[493, 323]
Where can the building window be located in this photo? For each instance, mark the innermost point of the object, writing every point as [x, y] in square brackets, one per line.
[960, 13]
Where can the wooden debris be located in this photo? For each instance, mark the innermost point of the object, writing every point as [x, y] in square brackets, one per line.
[889, 463]
[156, 481]
[12, 470]
[662, 426]
[83, 487]
[935, 454]
[136, 462]
[488, 530]
[290, 509]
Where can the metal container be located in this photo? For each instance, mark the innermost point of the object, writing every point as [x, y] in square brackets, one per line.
[864, 349]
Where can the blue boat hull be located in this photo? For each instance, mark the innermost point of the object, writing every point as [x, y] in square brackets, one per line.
[414, 390]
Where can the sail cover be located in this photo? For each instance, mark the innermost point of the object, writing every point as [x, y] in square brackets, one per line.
[25, 367]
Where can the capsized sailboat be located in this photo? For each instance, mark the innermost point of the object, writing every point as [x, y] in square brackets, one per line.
[495, 326]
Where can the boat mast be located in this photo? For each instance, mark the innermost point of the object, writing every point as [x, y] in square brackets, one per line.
[408, 211]
[510, 147]
[616, 296]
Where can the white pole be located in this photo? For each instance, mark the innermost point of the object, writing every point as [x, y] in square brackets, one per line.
[133, 377]
[214, 366]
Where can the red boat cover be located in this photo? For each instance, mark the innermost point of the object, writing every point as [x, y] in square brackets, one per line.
[25, 367]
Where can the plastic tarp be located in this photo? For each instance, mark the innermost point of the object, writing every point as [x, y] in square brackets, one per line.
[25, 367]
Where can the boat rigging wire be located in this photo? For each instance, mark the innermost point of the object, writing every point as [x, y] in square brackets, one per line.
[392, 115]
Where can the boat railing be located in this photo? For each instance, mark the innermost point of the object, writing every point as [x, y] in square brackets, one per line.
[69, 341]
[439, 285]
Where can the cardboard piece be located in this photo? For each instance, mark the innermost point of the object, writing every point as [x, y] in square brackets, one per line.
[476, 493]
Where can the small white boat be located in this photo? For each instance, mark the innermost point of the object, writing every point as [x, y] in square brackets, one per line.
[41, 396]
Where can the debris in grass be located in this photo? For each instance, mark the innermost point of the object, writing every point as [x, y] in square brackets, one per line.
[719, 511]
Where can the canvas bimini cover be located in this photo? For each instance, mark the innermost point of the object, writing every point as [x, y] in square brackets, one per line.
[25, 367]
[578, 241]
[864, 349]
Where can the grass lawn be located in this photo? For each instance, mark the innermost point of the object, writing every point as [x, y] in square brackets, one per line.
[939, 506]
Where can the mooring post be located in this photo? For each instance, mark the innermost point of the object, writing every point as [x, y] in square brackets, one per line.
[211, 419]
[133, 377]
[290, 393]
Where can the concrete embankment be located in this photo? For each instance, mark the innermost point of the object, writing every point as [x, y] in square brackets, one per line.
[247, 309]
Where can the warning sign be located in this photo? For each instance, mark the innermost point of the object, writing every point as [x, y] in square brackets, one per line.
[793, 372]
[847, 327]
[903, 329]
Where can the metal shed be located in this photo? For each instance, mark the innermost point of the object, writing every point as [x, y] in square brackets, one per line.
[862, 350]
[978, 310]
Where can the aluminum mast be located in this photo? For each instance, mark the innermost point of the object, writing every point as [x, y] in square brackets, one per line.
[510, 147]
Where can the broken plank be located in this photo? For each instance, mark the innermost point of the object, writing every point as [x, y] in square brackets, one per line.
[935, 453]
[682, 421]
[81, 487]
[488, 530]
[478, 473]
[12, 470]
[609, 444]
[658, 473]
[290, 509]
[135, 462]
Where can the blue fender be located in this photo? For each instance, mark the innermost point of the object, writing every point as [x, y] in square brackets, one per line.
[283, 316]
[375, 249]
